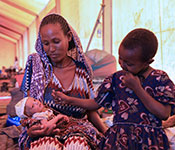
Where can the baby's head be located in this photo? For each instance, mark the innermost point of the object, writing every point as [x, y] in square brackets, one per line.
[27, 106]
[139, 46]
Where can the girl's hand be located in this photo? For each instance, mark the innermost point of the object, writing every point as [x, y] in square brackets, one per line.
[131, 81]
[60, 97]
[40, 130]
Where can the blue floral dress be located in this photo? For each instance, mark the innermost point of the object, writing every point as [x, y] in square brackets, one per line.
[134, 127]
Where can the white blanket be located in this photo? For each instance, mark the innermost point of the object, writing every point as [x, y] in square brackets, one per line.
[171, 136]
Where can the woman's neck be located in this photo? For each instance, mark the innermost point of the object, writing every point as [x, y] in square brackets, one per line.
[63, 64]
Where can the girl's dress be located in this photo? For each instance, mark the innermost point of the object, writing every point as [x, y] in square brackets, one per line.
[134, 127]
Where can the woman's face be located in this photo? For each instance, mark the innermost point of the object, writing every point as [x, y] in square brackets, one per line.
[55, 42]
[130, 60]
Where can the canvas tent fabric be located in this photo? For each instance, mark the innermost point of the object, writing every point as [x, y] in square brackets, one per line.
[103, 64]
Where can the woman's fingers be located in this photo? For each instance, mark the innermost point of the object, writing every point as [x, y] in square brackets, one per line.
[35, 130]
[49, 130]
[56, 131]
[39, 130]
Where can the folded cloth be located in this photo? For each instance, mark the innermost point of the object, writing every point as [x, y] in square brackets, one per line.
[171, 137]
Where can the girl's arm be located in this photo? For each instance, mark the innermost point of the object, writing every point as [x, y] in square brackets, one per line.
[155, 107]
[94, 117]
[88, 104]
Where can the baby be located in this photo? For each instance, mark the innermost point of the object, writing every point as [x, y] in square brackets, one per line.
[32, 111]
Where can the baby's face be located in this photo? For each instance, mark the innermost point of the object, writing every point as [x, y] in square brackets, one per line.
[33, 106]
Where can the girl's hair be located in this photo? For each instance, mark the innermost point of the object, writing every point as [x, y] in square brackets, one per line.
[144, 39]
[54, 19]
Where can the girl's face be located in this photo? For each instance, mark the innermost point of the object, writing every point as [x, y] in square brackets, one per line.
[32, 106]
[55, 42]
[130, 60]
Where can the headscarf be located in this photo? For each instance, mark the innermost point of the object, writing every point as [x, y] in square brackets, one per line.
[39, 70]
[20, 108]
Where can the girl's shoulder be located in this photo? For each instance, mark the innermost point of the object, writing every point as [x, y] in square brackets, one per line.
[114, 77]
[159, 74]
[118, 74]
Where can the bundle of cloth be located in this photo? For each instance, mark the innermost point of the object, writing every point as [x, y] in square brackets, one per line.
[169, 126]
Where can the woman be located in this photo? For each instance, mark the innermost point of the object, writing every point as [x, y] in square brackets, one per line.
[60, 64]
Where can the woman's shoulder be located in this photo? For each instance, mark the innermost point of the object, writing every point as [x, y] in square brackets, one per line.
[33, 55]
[79, 64]
[81, 67]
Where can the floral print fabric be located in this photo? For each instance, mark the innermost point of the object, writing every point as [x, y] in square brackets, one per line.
[134, 127]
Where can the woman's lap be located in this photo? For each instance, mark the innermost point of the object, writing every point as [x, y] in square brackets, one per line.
[50, 143]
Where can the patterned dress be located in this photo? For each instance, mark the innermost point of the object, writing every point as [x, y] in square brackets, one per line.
[79, 130]
[134, 127]
[79, 125]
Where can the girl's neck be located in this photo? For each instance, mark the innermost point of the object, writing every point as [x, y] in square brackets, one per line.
[143, 74]
[143, 71]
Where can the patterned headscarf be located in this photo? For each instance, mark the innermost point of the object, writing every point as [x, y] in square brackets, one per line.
[38, 72]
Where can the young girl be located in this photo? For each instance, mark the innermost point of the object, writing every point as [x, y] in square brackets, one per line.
[140, 97]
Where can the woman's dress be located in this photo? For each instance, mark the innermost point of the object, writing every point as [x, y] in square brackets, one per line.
[79, 128]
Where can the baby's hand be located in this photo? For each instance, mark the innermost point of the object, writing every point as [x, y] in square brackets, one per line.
[60, 97]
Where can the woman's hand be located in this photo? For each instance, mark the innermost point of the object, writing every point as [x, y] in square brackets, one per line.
[40, 130]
